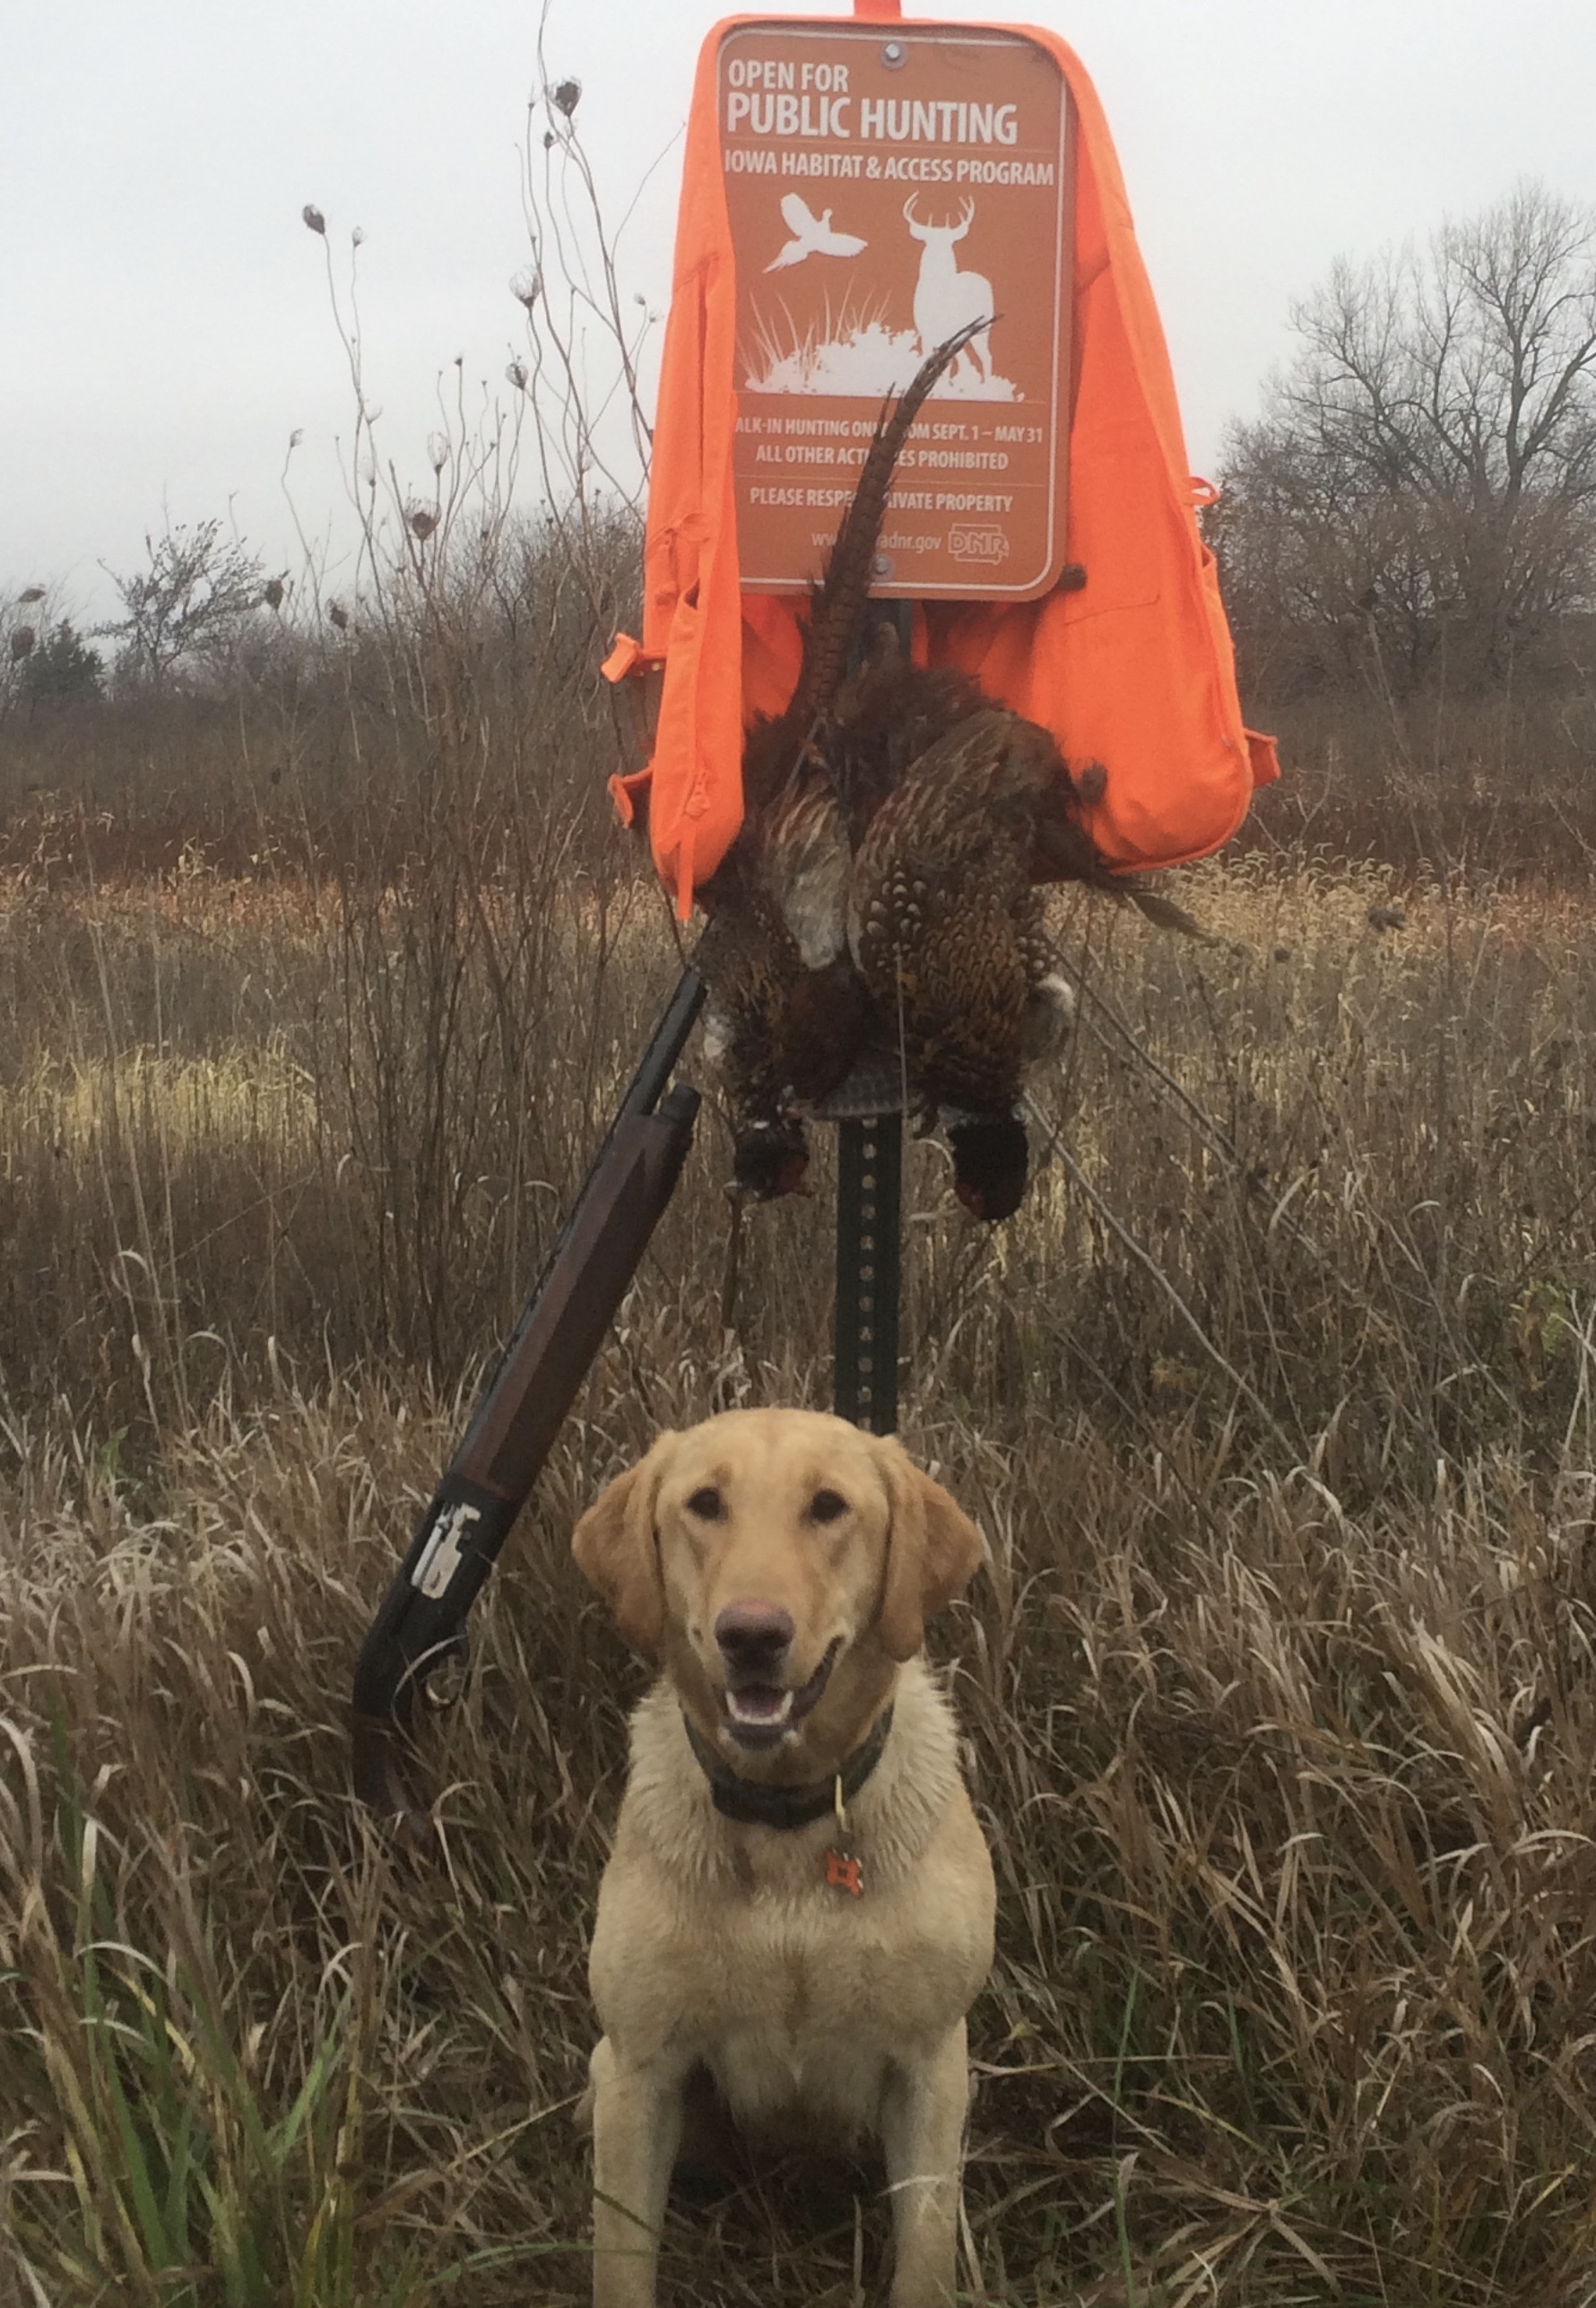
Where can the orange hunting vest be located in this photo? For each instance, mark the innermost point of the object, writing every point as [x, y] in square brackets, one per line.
[1134, 671]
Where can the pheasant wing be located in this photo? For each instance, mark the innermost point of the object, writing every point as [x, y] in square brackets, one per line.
[957, 801]
[803, 861]
[941, 914]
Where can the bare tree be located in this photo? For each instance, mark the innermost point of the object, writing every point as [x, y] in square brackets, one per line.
[1423, 475]
[190, 605]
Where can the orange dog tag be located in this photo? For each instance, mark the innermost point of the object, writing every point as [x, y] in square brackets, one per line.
[845, 1873]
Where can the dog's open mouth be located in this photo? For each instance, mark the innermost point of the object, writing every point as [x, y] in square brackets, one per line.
[761, 1714]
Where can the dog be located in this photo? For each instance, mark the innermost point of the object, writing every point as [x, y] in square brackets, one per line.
[799, 1901]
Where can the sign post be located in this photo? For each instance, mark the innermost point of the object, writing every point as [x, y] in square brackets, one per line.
[869, 1189]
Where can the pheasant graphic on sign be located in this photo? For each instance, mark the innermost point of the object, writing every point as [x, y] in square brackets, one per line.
[812, 236]
[885, 193]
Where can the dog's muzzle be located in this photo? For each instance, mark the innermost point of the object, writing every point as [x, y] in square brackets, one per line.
[761, 1714]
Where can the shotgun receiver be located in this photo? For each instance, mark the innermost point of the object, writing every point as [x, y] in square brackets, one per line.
[421, 1623]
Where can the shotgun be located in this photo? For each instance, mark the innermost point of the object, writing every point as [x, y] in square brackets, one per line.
[420, 1626]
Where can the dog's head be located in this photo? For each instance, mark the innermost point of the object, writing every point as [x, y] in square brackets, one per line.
[778, 1563]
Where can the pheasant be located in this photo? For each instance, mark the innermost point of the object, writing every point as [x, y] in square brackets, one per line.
[787, 1013]
[946, 929]
[752, 966]
[882, 891]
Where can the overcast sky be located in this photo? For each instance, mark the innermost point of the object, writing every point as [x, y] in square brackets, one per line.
[164, 325]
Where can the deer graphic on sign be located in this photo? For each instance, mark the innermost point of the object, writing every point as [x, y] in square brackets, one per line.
[947, 299]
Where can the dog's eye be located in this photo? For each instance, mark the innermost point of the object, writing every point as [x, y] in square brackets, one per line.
[707, 1503]
[827, 1506]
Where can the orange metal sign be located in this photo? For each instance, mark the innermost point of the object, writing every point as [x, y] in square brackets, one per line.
[886, 185]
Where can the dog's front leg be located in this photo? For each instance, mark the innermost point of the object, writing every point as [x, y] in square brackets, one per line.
[923, 2122]
[637, 2123]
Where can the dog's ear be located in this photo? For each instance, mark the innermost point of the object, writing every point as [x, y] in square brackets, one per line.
[934, 1550]
[617, 1552]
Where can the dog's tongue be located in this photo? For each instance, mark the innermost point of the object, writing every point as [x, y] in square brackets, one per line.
[759, 1703]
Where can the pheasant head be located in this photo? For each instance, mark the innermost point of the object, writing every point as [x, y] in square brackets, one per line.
[991, 1164]
[770, 1160]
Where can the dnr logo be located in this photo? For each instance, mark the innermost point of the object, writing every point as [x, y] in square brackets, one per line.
[968, 545]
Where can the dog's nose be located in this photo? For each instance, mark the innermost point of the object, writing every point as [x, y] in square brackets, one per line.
[754, 1636]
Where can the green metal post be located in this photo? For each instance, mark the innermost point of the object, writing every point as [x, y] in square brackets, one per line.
[869, 1166]
[869, 1252]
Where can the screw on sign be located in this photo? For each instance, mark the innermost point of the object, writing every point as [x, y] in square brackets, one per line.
[885, 193]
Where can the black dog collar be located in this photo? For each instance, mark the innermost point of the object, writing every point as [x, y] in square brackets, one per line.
[754, 1805]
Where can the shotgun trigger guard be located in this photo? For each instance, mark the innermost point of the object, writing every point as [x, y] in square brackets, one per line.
[453, 1651]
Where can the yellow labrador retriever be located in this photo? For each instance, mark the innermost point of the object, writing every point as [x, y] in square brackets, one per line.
[799, 1900]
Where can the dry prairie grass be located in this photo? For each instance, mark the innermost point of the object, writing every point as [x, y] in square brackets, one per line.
[1276, 1407]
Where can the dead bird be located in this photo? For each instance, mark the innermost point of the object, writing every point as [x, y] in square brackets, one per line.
[787, 1012]
[883, 888]
[946, 929]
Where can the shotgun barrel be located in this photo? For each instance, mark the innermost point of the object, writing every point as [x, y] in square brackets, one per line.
[420, 1625]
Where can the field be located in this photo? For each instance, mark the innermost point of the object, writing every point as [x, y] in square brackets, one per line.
[1276, 1407]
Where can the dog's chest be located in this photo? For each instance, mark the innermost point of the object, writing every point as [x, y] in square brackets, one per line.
[798, 2016]
[735, 1946]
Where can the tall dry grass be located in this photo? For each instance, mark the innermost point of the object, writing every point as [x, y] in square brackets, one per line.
[1275, 1405]
[1315, 1176]
[1448, 777]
